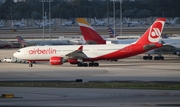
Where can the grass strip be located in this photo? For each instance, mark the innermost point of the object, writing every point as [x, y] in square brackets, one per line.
[113, 85]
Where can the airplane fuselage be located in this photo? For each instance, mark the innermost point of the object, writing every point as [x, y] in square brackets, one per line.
[96, 52]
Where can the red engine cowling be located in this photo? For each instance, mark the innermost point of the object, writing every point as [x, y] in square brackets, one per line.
[56, 60]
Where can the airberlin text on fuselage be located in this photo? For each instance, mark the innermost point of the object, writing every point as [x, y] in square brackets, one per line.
[42, 51]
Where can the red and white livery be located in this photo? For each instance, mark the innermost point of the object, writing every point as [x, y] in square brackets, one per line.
[79, 54]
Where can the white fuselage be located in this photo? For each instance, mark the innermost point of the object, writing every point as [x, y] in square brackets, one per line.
[46, 52]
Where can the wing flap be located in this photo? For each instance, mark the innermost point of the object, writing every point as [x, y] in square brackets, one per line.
[165, 48]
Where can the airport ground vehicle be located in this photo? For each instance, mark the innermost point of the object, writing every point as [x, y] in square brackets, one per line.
[13, 60]
[7, 60]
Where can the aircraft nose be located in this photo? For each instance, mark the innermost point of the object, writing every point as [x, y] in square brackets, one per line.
[15, 54]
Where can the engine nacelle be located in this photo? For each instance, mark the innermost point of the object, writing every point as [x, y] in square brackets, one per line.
[56, 60]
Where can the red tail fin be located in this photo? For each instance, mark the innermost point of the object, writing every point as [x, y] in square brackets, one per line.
[153, 34]
[88, 32]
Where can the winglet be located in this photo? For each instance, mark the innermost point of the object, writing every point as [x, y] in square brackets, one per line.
[80, 48]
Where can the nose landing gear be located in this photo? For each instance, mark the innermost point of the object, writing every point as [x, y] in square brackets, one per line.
[30, 64]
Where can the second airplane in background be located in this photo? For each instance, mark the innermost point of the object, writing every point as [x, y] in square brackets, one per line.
[46, 42]
[172, 22]
[19, 24]
[45, 24]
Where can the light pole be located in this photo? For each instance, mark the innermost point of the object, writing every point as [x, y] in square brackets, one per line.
[43, 13]
[50, 18]
[43, 17]
[114, 17]
[11, 10]
[108, 11]
[121, 16]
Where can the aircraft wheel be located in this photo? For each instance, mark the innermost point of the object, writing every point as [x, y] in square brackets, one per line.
[145, 57]
[150, 57]
[96, 64]
[156, 58]
[30, 65]
[79, 64]
[161, 58]
[85, 64]
[91, 64]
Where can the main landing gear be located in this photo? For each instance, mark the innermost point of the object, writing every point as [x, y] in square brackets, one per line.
[149, 57]
[80, 64]
[158, 58]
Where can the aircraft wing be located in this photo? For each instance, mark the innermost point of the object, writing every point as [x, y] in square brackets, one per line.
[77, 54]
[165, 48]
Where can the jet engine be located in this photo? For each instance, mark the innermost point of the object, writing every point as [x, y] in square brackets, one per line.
[56, 60]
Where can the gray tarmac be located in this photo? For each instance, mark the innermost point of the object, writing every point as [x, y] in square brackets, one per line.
[107, 71]
[81, 97]
[129, 69]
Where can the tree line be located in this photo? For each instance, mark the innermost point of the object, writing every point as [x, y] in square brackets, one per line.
[84, 8]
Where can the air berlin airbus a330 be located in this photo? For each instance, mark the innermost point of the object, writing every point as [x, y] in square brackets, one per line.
[79, 54]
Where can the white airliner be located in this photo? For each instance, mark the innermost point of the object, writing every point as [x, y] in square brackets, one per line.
[172, 22]
[46, 42]
[171, 45]
[78, 54]
[132, 23]
[98, 22]
[45, 24]
[19, 24]
[69, 23]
